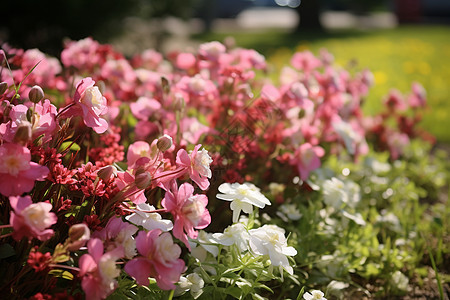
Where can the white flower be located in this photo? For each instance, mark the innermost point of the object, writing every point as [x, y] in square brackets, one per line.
[391, 220]
[314, 295]
[270, 240]
[289, 212]
[353, 192]
[193, 283]
[377, 166]
[197, 282]
[357, 217]
[400, 281]
[276, 188]
[338, 193]
[335, 288]
[235, 234]
[108, 270]
[202, 162]
[334, 193]
[38, 215]
[206, 241]
[125, 238]
[348, 134]
[242, 197]
[147, 220]
[212, 49]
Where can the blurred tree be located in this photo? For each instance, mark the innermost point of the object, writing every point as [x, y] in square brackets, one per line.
[164, 8]
[44, 24]
[309, 14]
[362, 7]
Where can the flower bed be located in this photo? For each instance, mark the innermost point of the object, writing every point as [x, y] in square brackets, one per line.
[194, 176]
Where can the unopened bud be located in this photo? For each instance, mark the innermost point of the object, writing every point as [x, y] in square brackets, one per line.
[106, 172]
[165, 85]
[164, 143]
[178, 103]
[23, 133]
[3, 87]
[36, 94]
[79, 234]
[143, 180]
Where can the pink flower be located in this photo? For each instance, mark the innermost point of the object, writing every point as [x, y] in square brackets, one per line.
[395, 101]
[249, 58]
[31, 219]
[99, 270]
[418, 98]
[82, 54]
[197, 89]
[305, 61]
[45, 71]
[189, 211]
[149, 59]
[126, 181]
[397, 143]
[159, 259]
[212, 50]
[119, 234]
[137, 150]
[17, 172]
[192, 130]
[185, 61]
[91, 105]
[270, 92]
[197, 163]
[144, 107]
[120, 77]
[307, 159]
[43, 121]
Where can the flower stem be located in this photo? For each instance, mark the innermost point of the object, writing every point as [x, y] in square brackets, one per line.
[64, 267]
[65, 109]
[171, 295]
[5, 235]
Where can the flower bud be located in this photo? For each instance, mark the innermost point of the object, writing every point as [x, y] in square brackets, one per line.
[143, 179]
[3, 87]
[164, 143]
[79, 234]
[23, 133]
[36, 94]
[178, 104]
[165, 85]
[106, 172]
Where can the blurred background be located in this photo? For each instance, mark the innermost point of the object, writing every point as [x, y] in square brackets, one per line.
[400, 41]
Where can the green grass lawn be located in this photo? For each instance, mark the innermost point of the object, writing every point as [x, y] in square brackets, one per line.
[397, 57]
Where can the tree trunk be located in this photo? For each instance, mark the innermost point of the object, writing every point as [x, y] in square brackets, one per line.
[309, 13]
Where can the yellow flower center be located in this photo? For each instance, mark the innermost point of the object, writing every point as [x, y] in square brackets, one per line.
[14, 164]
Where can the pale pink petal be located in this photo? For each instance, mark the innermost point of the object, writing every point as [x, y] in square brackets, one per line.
[140, 269]
[82, 86]
[87, 264]
[95, 248]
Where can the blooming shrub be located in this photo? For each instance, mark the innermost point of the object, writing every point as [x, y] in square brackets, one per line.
[113, 172]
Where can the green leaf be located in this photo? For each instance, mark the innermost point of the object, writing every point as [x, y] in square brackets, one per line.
[258, 297]
[233, 291]
[300, 295]
[6, 250]
[61, 273]
[72, 146]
